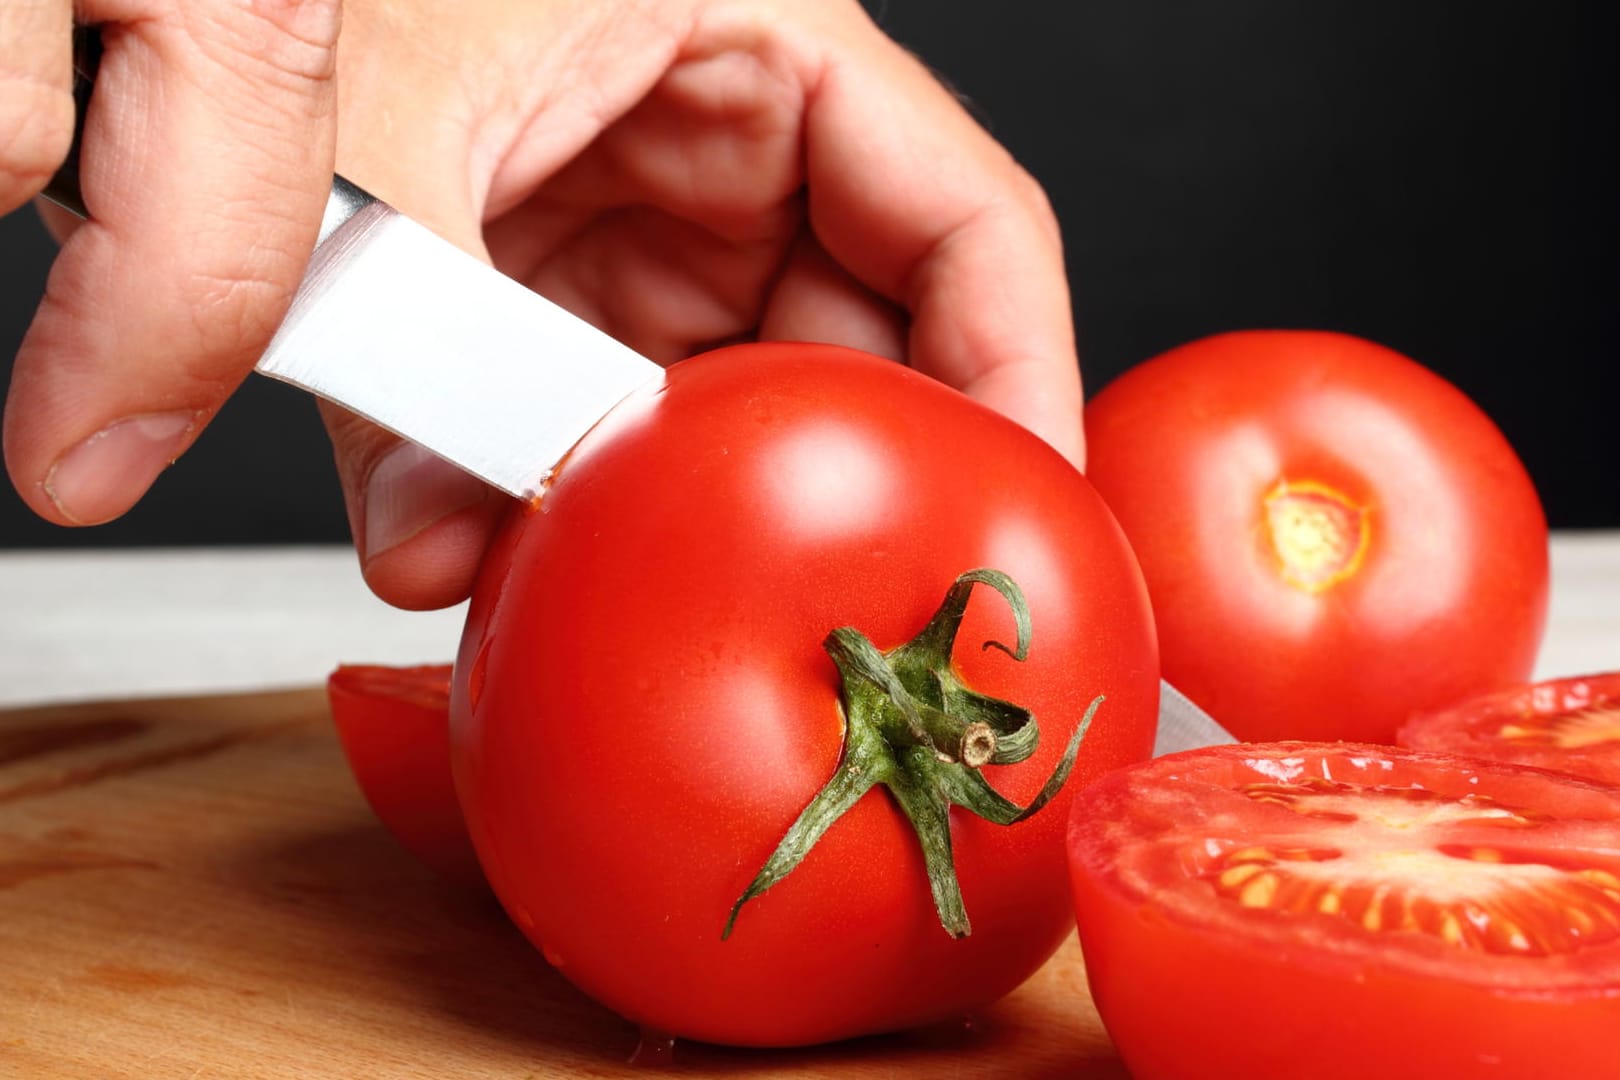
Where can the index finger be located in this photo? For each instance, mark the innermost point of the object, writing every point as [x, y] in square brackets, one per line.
[36, 96]
[922, 205]
[205, 164]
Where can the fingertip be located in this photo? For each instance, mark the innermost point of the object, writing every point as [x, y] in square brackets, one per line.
[1065, 435]
[1072, 445]
[102, 476]
[420, 524]
[1042, 399]
[436, 567]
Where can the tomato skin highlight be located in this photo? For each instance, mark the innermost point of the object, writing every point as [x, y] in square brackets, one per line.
[643, 706]
[1569, 725]
[394, 726]
[1190, 984]
[1420, 578]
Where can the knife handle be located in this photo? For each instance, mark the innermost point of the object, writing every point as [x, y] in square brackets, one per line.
[345, 200]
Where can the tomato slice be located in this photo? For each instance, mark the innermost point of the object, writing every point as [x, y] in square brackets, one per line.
[1338, 911]
[394, 725]
[1572, 725]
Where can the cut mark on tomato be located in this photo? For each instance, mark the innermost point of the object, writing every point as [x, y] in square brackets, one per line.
[1378, 858]
[1578, 730]
[1320, 537]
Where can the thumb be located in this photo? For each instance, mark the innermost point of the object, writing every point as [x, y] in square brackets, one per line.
[205, 163]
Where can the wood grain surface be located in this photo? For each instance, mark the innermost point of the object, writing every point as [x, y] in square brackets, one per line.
[194, 888]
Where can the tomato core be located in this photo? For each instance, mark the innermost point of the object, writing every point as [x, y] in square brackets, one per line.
[1318, 534]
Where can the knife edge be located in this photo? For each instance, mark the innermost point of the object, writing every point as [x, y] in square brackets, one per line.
[400, 326]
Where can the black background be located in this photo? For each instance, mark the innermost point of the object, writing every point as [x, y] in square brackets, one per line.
[1438, 177]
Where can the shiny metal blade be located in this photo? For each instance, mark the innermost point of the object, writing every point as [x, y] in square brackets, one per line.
[1183, 725]
[398, 325]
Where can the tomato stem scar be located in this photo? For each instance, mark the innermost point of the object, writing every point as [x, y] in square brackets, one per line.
[911, 725]
[1318, 535]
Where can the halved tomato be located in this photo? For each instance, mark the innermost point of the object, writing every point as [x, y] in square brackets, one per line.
[394, 725]
[1336, 911]
[1572, 725]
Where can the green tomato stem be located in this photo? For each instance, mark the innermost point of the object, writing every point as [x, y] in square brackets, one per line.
[911, 725]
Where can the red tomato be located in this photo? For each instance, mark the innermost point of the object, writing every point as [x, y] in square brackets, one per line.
[643, 705]
[1333, 536]
[393, 723]
[1572, 725]
[1340, 911]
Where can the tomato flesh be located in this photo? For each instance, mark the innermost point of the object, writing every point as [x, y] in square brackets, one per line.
[1569, 724]
[1334, 910]
[394, 727]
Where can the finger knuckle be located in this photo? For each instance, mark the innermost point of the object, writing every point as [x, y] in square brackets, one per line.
[1033, 195]
[285, 45]
[301, 35]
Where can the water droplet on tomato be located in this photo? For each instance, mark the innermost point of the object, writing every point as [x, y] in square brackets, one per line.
[553, 957]
[654, 1050]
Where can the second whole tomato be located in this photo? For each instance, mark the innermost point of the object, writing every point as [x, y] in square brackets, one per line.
[662, 653]
[1334, 537]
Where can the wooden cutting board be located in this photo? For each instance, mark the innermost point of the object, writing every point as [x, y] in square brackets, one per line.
[194, 888]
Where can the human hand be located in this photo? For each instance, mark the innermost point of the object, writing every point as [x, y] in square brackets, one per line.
[206, 161]
[688, 173]
[684, 173]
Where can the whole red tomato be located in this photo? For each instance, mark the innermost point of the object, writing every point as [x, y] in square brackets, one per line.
[1341, 911]
[644, 707]
[1333, 536]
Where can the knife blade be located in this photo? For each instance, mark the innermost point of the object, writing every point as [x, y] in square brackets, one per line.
[1183, 725]
[404, 328]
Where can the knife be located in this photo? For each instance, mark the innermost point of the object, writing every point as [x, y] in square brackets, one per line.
[402, 327]
[1183, 725]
